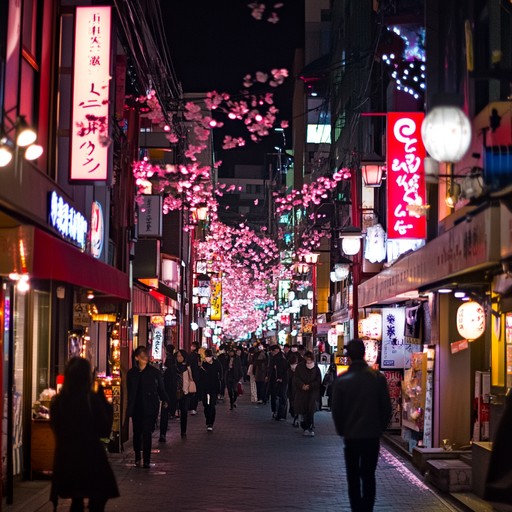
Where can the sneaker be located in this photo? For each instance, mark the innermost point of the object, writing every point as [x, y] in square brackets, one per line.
[146, 465]
[306, 433]
[137, 463]
[161, 439]
[193, 412]
[311, 433]
[209, 428]
[259, 402]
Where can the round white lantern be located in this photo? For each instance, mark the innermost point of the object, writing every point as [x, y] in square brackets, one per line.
[341, 271]
[471, 320]
[351, 245]
[446, 133]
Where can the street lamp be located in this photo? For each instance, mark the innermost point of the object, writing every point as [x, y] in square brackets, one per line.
[351, 240]
[372, 172]
[25, 138]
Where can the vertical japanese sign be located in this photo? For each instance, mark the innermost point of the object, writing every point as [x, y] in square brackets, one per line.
[405, 175]
[158, 341]
[150, 216]
[396, 353]
[91, 76]
[394, 379]
[216, 299]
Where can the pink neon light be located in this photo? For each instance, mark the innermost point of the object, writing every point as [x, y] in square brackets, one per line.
[405, 175]
[91, 84]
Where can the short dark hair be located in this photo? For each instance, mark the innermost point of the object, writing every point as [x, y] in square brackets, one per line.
[139, 350]
[356, 349]
[208, 352]
[309, 355]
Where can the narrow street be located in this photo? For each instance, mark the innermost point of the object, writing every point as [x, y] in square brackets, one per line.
[250, 463]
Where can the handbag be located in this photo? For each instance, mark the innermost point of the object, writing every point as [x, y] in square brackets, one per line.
[192, 388]
[240, 389]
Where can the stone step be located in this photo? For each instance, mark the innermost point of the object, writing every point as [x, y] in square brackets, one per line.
[449, 475]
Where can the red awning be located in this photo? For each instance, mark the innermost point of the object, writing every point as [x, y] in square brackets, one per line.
[59, 261]
[144, 303]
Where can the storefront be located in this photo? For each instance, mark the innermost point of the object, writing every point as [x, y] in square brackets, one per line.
[55, 300]
[439, 369]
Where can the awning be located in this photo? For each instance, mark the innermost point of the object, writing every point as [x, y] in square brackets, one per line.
[145, 304]
[27, 249]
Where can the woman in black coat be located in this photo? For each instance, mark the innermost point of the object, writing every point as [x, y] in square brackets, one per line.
[234, 374]
[307, 381]
[79, 418]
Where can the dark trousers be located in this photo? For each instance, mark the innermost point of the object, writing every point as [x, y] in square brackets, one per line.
[222, 387]
[260, 391]
[281, 399]
[307, 421]
[183, 405]
[95, 505]
[142, 430]
[209, 403]
[193, 401]
[164, 419]
[232, 391]
[273, 396]
[361, 456]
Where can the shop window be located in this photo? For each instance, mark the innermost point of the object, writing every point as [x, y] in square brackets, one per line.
[41, 344]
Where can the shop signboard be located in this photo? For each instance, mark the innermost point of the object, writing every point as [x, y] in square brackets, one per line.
[466, 246]
[396, 353]
[91, 86]
[158, 341]
[150, 217]
[81, 317]
[406, 175]
[70, 223]
[97, 233]
[216, 300]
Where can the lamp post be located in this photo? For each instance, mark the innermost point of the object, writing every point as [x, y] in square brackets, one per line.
[25, 138]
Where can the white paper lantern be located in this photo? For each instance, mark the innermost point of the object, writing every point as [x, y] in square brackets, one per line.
[471, 320]
[351, 245]
[446, 133]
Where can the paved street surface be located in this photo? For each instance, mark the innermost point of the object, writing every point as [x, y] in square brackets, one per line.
[249, 463]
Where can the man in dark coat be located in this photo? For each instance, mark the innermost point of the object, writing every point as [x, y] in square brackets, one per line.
[278, 377]
[361, 410]
[145, 390]
[211, 374]
[170, 385]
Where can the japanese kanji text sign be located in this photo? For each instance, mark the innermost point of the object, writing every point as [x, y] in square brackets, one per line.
[91, 76]
[405, 175]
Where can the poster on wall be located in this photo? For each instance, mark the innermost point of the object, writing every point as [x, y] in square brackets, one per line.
[394, 379]
[396, 352]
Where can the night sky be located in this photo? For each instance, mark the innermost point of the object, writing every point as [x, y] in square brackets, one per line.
[214, 44]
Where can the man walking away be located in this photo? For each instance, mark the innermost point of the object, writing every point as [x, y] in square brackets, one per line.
[211, 374]
[361, 410]
[145, 390]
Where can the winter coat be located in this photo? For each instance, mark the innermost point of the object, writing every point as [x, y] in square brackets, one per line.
[170, 381]
[81, 468]
[260, 367]
[361, 407]
[306, 402]
[210, 375]
[498, 485]
[236, 373]
[153, 391]
[278, 368]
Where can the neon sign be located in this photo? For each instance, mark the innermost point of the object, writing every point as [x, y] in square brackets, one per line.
[91, 76]
[406, 175]
[70, 223]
